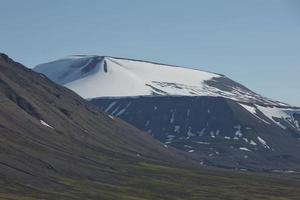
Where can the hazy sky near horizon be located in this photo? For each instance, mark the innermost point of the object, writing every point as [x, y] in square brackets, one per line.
[254, 42]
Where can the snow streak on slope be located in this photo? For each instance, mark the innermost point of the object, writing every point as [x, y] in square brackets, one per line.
[275, 115]
[99, 76]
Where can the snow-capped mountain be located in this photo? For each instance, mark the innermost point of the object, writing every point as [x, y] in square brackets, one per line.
[219, 121]
[102, 76]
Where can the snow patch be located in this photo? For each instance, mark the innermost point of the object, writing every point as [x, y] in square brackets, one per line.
[189, 133]
[201, 132]
[172, 119]
[199, 142]
[246, 140]
[177, 129]
[123, 110]
[147, 123]
[110, 106]
[45, 124]
[244, 149]
[275, 113]
[212, 134]
[263, 142]
[238, 131]
[188, 112]
[253, 110]
[252, 143]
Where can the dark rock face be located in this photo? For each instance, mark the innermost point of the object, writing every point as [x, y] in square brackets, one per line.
[47, 131]
[177, 116]
[216, 130]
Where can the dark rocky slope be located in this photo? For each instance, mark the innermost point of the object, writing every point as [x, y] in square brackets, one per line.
[219, 131]
[48, 131]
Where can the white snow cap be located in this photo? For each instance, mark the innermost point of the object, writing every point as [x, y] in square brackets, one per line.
[95, 76]
[104, 76]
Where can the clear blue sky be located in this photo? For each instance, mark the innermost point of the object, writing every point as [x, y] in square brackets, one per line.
[255, 42]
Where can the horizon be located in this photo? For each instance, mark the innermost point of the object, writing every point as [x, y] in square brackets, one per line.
[254, 43]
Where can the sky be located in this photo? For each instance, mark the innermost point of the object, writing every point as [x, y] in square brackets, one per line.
[254, 42]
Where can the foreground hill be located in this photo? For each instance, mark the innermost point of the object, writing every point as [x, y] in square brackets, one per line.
[219, 121]
[54, 146]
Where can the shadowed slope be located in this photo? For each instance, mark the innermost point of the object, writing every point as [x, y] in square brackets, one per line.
[48, 130]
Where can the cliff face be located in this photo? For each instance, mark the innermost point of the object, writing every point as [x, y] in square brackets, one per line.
[218, 131]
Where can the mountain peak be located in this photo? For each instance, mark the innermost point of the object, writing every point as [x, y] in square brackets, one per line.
[110, 76]
[5, 57]
[94, 76]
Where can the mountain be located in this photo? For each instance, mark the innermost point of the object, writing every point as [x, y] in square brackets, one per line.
[55, 145]
[101, 76]
[52, 139]
[217, 120]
